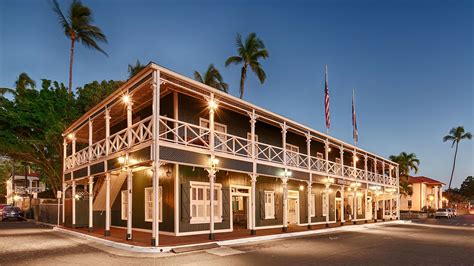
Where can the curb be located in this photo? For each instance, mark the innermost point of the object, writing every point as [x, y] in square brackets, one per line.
[240, 241]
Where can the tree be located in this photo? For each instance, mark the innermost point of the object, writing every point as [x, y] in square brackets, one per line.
[249, 54]
[212, 77]
[467, 187]
[456, 134]
[78, 27]
[134, 69]
[93, 93]
[406, 189]
[406, 163]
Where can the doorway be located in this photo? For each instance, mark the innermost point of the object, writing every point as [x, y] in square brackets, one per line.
[338, 206]
[368, 210]
[240, 207]
[293, 207]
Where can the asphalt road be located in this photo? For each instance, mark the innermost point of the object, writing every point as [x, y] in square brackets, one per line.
[403, 244]
[462, 220]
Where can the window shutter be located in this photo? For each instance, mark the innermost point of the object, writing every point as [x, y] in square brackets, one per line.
[278, 203]
[225, 203]
[185, 203]
[262, 205]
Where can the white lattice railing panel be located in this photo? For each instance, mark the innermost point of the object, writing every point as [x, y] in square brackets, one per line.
[98, 150]
[297, 159]
[183, 133]
[371, 177]
[269, 153]
[118, 141]
[232, 144]
[81, 157]
[360, 174]
[69, 162]
[142, 131]
[318, 164]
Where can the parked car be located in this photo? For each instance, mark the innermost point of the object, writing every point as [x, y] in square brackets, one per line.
[454, 212]
[443, 213]
[12, 212]
[1, 208]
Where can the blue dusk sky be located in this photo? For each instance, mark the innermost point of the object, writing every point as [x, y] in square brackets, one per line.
[410, 62]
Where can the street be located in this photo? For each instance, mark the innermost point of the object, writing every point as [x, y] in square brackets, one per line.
[401, 244]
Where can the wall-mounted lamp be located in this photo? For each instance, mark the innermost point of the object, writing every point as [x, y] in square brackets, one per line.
[212, 104]
[70, 136]
[126, 99]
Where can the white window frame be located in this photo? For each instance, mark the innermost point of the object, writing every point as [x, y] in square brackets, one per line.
[124, 205]
[312, 202]
[269, 204]
[147, 206]
[203, 122]
[205, 202]
[325, 202]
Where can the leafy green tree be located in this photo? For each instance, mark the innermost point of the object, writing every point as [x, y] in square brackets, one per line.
[134, 69]
[467, 187]
[77, 26]
[249, 54]
[93, 93]
[406, 163]
[456, 135]
[212, 77]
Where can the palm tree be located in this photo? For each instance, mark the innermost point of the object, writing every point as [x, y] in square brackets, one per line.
[249, 54]
[4, 91]
[134, 69]
[77, 27]
[406, 189]
[212, 77]
[406, 163]
[23, 82]
[456, 134]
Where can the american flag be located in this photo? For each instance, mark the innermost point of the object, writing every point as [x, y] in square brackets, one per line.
[355, 133]
[326, 99]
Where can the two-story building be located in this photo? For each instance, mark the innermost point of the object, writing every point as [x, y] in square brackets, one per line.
[148, 155]
[427, 193]
[21, 186]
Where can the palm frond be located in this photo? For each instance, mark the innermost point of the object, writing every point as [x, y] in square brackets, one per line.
[258, 70]
[62, 19]
[198, 77]
[233, 60]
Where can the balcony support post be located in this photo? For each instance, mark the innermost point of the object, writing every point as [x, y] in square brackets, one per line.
[91, 201]
[326, 155]
[253, 176]
[384, 181]
[63, 195]
[285, 178]
[366, 170]
[73, 148]
[310, 182]
[129, 203]
[73, 204]
[212, 172]
[129, 124]
[342, 204]
[155, 154]
[107, 204]
[107, 131]
[90, 139]
[341, 154]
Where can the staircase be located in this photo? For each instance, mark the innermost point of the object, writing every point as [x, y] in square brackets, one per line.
[116, 182]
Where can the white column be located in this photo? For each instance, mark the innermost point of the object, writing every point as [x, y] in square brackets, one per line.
[327, 205]
[156, 159]
[73, 147]
[253, 176]
[107, 131]
[341, 156]
[383, 206]
[440, 198]
[342, 205]
[130, 203]
[253, 180]
[366, 168]
[91, 203]
[376, 209]
[90, 140]
[63, 195]
[212, 174]
[310, 203]
[129, 123]
[73, 204]
[310, 182]
[107, 204]
[365, 203]
[284, 181]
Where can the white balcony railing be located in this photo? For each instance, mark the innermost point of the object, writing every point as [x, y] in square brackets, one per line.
[192, 135]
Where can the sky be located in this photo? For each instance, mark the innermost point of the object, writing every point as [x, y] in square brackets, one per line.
[409, 62]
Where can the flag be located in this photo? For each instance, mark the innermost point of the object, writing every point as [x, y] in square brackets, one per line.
[355, 133]
[326, 99]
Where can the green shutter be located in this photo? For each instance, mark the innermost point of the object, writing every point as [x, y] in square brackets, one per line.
[225, 203]
[262, 205]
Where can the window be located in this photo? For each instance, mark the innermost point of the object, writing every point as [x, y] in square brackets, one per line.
[292, 154]
[220, 139]
[124, 209]
[200, 202]
[319, 155]
[325, 204]
[149, 204]
[359, 204]
[269, 205]
[312, 205]
[410, 204]
[338, 160]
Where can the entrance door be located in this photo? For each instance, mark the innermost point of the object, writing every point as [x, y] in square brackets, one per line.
[239, 211]
[368, 210]
[338, 209]
[293, 207]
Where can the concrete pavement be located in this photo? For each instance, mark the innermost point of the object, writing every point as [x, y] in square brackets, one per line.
[27, 243]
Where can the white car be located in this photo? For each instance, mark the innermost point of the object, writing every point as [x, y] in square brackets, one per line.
[453, 212]
[443, 213]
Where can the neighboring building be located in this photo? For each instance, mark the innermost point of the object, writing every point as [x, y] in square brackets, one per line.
[21, 186]
[266, 171]
[427, 193]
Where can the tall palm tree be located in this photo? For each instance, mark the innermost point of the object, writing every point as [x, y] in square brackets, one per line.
[212, 77]
[78, 26]
[249, 54]
[134, 69]
[456, 134]
[406, 163]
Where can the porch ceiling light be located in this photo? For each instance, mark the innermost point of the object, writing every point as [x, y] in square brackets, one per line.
[329, 149]
[121, 160]
[287, 173]
[301, 187]
[391, 167]
[214, 162]
[126, 99]
[70, 136]
[77, 196]
[16, 198]
[356, 158]
[212, 105]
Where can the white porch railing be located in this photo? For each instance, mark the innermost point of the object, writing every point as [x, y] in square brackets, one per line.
[192, 135]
